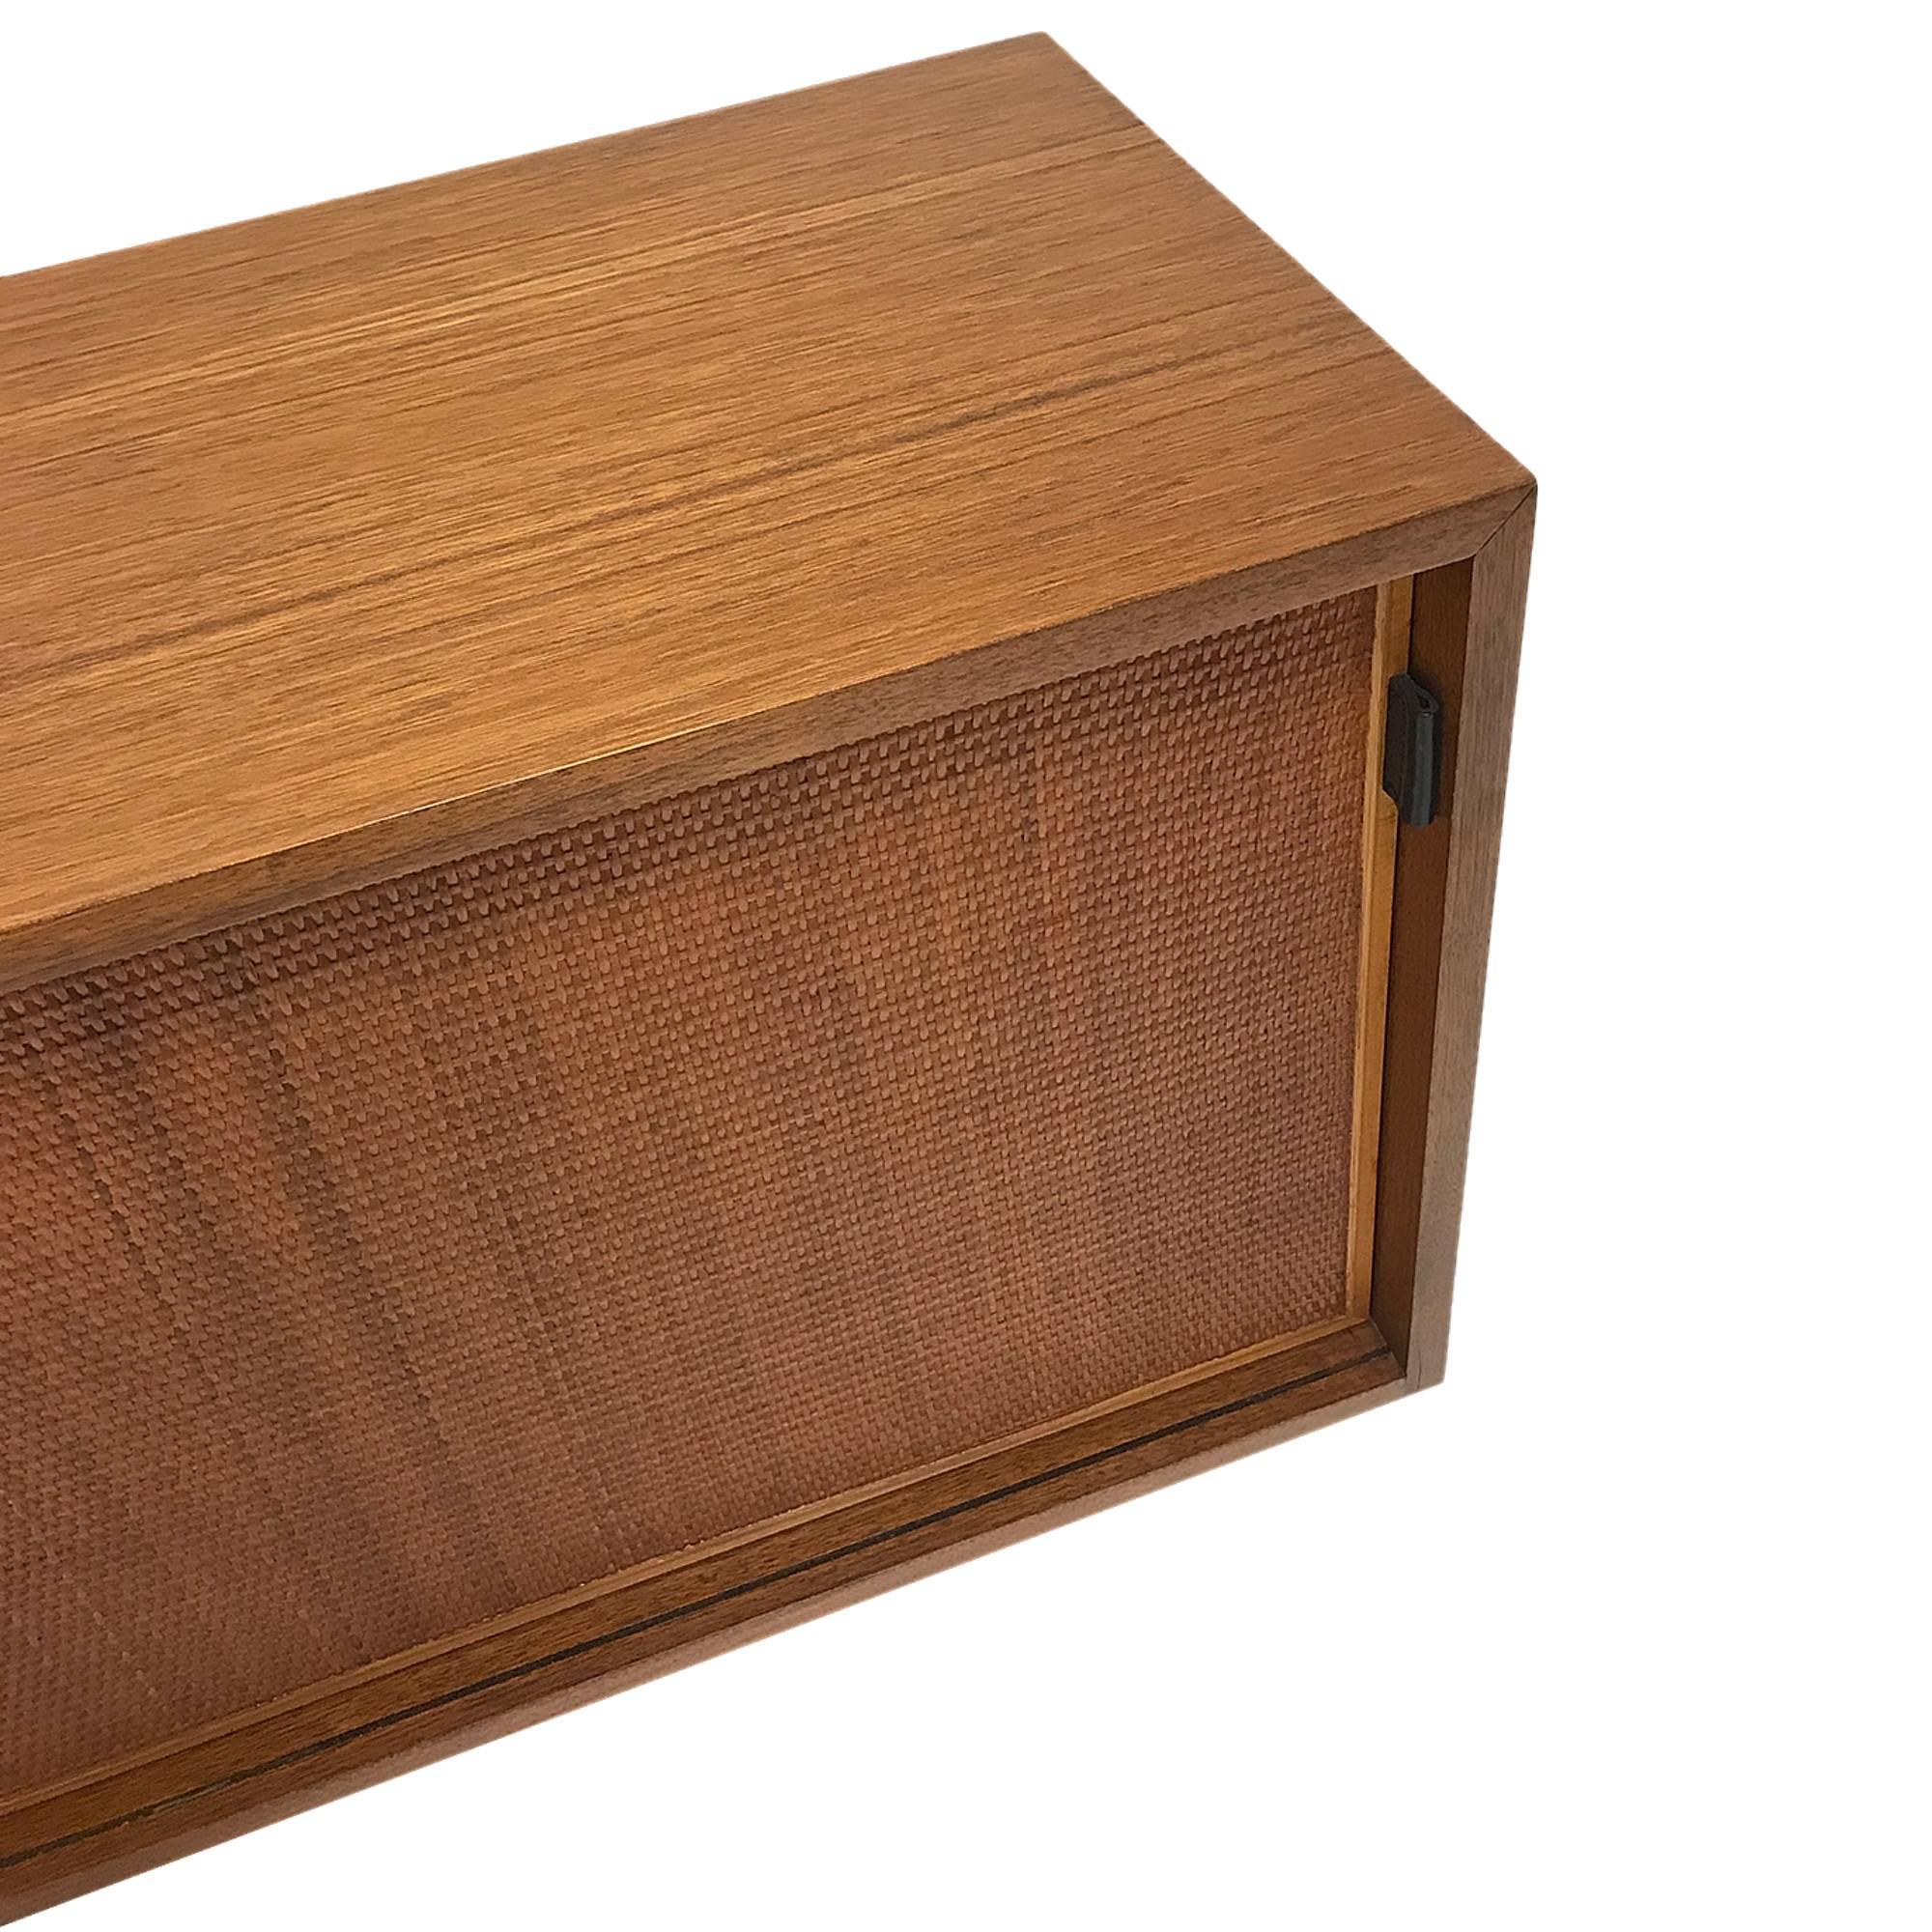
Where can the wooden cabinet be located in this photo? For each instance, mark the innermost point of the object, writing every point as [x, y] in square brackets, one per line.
[697, 908]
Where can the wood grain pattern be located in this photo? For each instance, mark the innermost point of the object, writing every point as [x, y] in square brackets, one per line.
[345, 524]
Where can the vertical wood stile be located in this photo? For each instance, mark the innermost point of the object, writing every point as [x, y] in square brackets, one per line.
[1393, 604]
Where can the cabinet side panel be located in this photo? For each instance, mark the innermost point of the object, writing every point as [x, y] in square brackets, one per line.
[1466, 639]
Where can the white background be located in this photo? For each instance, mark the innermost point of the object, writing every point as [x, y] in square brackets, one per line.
[1626, 1624]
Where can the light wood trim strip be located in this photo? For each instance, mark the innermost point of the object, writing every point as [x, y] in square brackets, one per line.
[1378, 842]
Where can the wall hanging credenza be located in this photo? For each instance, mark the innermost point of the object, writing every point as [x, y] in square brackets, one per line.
[729, 861]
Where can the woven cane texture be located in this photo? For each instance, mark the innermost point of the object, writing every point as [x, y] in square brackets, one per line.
[379, 1269]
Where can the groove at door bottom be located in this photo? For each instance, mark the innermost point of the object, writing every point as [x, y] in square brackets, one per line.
[58, 1846]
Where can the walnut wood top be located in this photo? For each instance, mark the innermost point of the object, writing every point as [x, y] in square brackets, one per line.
[316, 520]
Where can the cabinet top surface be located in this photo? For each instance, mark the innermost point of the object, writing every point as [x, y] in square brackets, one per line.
[322, 519]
